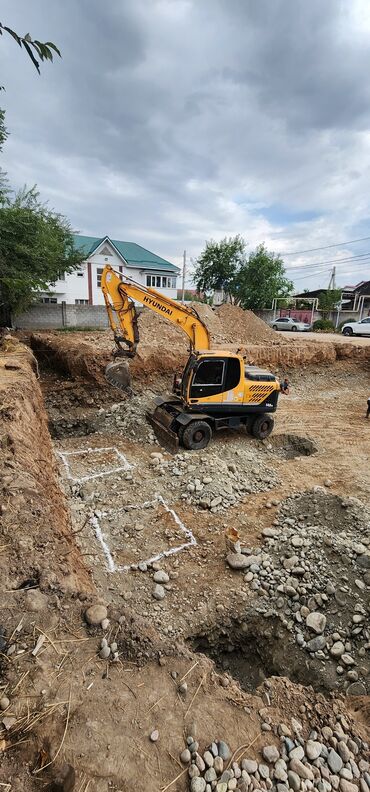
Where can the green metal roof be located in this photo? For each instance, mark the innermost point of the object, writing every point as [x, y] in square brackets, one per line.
[133, 254]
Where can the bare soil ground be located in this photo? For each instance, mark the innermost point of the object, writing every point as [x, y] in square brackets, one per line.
[99, 497]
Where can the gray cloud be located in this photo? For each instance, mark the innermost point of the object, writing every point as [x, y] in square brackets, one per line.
[172, 121]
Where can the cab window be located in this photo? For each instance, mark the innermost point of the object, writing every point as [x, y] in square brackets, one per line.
[208, 379]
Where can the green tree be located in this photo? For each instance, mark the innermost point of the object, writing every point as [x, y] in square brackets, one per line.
[262, 278]
[328, 301]
[36, 245]
[219, 264]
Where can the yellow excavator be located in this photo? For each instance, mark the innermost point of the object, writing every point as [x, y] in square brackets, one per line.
[216, 389]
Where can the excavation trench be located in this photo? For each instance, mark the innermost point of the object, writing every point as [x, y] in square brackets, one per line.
[290, 446]
[255, 648]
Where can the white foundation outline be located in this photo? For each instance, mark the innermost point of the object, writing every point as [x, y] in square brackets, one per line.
[63, 454]
[112, 567]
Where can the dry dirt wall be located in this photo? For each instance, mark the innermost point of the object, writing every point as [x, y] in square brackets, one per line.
[36, 537]
[87, 359]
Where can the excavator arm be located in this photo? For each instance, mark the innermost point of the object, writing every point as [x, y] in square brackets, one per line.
[120, 294]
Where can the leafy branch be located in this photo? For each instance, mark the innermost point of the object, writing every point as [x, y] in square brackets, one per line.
[35, 49]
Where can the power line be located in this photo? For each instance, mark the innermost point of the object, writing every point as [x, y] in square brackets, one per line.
[325, 247]
[344, 260]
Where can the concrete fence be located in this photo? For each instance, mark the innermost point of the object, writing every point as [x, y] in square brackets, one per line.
[268, 316]
[59, 315]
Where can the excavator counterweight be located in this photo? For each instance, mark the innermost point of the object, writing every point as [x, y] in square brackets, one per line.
[216, 389]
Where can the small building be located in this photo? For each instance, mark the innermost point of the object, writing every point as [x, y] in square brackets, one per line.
[83, 286]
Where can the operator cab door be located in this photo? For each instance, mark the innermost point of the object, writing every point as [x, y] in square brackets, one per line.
[214, 380]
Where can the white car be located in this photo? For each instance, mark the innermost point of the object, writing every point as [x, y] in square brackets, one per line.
[357, 328]
[287, 323]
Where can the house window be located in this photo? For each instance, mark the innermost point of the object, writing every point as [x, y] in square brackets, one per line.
[48, 300]
[61, 275]
[81, 302]
[80, 273]
[161, 282]
[99, 273]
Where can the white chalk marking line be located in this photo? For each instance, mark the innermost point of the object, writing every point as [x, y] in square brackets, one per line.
[64, 454]
[112, 567]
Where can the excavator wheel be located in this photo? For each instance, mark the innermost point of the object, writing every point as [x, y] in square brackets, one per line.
[262, 426]
[196, 435]
[117, 373]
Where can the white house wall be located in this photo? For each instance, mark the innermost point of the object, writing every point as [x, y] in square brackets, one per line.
[76, 287]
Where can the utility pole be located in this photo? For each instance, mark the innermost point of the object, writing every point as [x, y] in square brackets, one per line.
[331, 286]
[183, 276]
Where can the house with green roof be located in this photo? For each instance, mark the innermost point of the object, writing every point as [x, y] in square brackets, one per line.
[82, 287]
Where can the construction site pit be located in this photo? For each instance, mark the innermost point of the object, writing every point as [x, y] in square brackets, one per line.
[222, 594]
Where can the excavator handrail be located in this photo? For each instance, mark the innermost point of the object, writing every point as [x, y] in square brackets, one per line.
[120, 292]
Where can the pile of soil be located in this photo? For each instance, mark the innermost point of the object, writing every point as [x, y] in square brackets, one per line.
[212, 321]
[244, 326]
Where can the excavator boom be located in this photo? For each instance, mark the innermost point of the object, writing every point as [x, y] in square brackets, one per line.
[120, 294]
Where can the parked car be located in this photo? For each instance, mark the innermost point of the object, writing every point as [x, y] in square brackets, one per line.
[288, 323]
[357, 328]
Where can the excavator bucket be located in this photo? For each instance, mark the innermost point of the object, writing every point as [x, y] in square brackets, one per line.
[117, 373]
[160, 420]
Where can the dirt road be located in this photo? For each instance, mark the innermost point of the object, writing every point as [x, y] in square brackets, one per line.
[326, 338]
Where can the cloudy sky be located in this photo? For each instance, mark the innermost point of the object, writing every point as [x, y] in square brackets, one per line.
[169, 122]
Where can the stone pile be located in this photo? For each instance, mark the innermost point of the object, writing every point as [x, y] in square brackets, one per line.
[316, 579]
[330, 759]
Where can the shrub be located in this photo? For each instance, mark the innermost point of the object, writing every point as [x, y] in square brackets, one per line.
[323, 326]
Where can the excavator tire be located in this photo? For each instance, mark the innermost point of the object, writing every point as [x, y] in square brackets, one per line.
[196, 435]
[262, 426]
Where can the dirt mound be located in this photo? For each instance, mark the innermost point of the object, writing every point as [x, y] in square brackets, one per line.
[239, 326]
[212, 321]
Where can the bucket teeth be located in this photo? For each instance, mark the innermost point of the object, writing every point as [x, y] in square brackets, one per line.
[117, 374]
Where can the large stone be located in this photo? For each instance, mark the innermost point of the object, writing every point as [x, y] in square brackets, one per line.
[197, 785]
[356, 689]
[316, 644]
[364, 560]
[337, 649]
[313, 749]
[95, 614]
[334, 761]
[249, 765]
[237, 561]
[270, 753]
[158, 592]
[36, 600]
[346, 786]
[298, 767]
[296, 753]
[343, 751]
[294, 780]
[161, 576]
[316, 622]
[223, 750]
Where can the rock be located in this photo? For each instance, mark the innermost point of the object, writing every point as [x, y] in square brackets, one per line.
[298, 767]
[210, 775]
[158, 592]
[296, 753]
[316, 644]
[363, 560]
[270, 753]
[343, 751]
[316, 621]
[337, 649]
[313, 749]
[209, 758]
[185, 756]
[198, 785]
[4, 703]
[223, 750]
[347, 659]
[237, 561]
[200, 763]
[218, 764]
[104, 652]
[346, 786]
[334, 761]
[96, 614]
[294, 780]
[263, 771]
[183, 688]
[161, 576]
[249, 765]
[154, 736]
[356, 689]
[36, 601]
[193, 771]
[221, 787]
